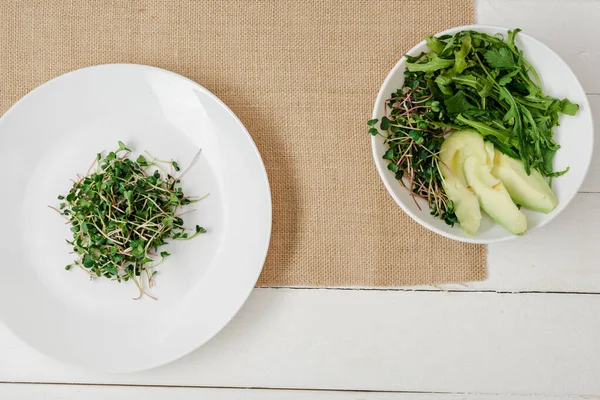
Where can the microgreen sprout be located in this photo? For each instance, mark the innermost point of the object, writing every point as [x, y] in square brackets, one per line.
[122, 213]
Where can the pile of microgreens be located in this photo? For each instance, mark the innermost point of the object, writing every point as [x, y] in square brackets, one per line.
[413, 143]
[122, 213]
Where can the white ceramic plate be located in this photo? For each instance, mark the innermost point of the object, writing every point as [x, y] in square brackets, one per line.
[575, 136]
[52, 134]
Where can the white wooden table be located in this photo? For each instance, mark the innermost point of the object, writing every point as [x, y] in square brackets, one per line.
[532, 330]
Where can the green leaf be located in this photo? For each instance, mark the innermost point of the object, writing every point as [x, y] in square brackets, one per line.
[559, 173]
[507, 78]
[511, 37]
[417, 136]
[518, 88]
[389, 154]
[568, 108]
[435, 44]
[443, 82]
[482, 115]
[142, 161]
[385, 124]
[500, 58]
[482, 85]
[138, 251]
[458, 103]
[484, 129]
[460, 61]
[503, 147]
[392, 167]
[372, 122]
[515, 116]
[513, 112]
[123, 147]
[411, 83]
[450, 44]
[173, 199]
[433, 64]
[87, 261]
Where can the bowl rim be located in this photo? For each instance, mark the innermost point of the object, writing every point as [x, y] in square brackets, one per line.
[474, 239]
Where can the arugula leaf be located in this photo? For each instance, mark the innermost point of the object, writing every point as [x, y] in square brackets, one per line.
[535, 102]
[511, 39]
[514, 116]
[568, 108]
[433, 64]
[519, 88]
[434, 44]
[485, 130]
[460, 62]
[443, 80]
[482, 85]
[458, 103]
[414, 59]
[435, 90]
[558, 173]
[482, 115]
[507, 78]
[547, 157]
[503, 147]
[450, 44]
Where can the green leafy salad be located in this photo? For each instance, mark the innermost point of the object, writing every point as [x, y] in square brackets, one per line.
[472, 129]
[122, 212]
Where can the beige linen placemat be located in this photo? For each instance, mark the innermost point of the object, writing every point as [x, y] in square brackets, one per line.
[302, 76]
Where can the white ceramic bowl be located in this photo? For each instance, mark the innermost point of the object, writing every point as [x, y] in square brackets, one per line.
[575, 136]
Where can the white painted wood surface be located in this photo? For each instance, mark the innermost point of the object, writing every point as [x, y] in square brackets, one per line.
[569, 27]
[379, 340]
[592, 181]
[77, 392]
[478, 343]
